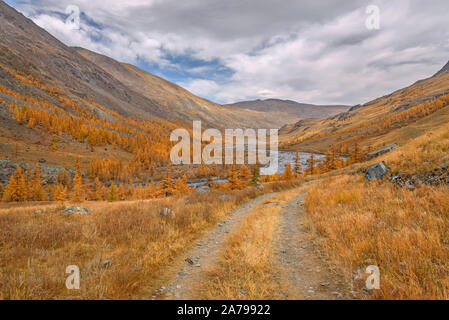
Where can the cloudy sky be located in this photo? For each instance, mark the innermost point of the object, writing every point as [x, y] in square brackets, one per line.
[232, 50]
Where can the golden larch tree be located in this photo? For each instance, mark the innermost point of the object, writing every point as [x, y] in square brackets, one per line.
[16, 190]
[78, 194]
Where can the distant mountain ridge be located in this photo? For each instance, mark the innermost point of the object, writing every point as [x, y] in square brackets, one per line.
[291, 108]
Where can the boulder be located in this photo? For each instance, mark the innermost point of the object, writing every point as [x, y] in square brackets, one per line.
[376, 171]
[380, 151]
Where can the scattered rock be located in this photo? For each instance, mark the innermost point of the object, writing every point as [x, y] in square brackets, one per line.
[187, 202]
[106, 263]
[219, 224]
[189, 260]
[37, 211]
[167, 212]
[376, 171]
[69, 210]
[42, 160]
[409, 186]
[198, 265]
[325, 284]
[224, 197]
[338, 294]
[258, 186]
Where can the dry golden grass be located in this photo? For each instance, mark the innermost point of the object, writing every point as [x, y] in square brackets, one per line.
[246, 269]
[405, 233]
[421, 154]
[35, 249]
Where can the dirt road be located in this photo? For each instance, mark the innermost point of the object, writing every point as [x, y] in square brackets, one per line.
[300, 270]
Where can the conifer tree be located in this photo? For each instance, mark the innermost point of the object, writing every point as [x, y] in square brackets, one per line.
[97, 191]
[16, 189]
[167, 187]
[78, 188]
[182, 186]
[255, 174]
[112, 193]
[311, 163]
[234, 182]
[298, 167]
[59, 193]
[37, 192]
[288, 174]
[244, 173]
[53, 142]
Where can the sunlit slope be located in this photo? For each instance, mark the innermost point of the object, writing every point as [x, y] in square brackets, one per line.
[397, 117]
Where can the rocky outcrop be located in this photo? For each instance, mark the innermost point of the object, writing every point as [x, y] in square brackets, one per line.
[49, 174]
[437, 176]
[381, 151]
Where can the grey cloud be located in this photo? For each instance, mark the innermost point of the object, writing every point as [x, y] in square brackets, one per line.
[310, 51]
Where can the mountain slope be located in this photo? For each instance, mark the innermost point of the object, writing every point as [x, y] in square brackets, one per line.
[31, 51]
[179, 102]
[292, 109]
[394, 118]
